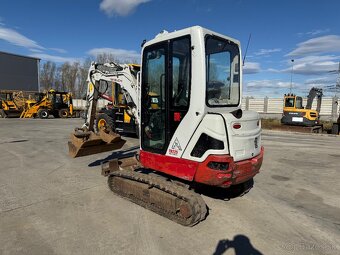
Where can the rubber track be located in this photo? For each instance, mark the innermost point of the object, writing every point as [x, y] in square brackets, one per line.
[196, 202]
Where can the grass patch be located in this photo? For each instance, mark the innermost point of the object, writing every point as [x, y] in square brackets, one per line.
[270, 123]
[326, 124]
[273, 123]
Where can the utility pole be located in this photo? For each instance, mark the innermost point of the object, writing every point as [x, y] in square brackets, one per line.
[291, 76]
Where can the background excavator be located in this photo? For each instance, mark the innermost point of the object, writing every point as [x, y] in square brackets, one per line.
[295, 114]
[193, 133]
[120, 115]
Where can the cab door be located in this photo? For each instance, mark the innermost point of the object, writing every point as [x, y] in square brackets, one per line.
[165, 91]
[153, 98]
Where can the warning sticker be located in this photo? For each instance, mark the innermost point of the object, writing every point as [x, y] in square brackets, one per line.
[176, 146]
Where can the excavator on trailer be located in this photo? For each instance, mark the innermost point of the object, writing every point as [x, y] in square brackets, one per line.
[295, 114]
[197, 135]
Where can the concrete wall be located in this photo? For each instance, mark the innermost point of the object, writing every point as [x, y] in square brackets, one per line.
[273, 107]
[79, 104]
[267, 107]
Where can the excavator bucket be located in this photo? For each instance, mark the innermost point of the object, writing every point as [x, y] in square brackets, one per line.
[84, 143]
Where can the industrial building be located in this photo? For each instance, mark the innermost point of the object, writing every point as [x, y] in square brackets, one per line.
[19, 72]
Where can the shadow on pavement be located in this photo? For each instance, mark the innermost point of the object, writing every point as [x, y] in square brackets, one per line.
[130, 152]
[226, 193]
[241, 245]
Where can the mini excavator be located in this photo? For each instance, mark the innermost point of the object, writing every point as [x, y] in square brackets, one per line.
[193, 132]
[295, 114]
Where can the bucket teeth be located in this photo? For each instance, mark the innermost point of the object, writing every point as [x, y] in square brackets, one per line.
[108, 137]
[92, 143]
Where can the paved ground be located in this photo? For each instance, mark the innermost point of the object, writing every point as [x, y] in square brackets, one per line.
[52, 204]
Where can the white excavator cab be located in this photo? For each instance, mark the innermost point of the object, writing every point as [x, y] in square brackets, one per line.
[198, 76]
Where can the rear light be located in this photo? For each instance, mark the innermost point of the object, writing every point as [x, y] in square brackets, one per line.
[177, 116]
[237, 126]
[223, 166]
[303, 113]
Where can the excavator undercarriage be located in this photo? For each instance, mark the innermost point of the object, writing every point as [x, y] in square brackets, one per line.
[168, 198]
[161, 196]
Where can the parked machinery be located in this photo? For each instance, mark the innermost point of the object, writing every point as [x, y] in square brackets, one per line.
[56, 103]
[197, 134]
[295, 114]
[10, 103]
[120, 114]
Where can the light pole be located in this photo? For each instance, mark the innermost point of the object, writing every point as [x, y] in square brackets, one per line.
[291, 77]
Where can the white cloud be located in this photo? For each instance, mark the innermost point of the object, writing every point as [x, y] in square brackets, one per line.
[120, 7]
[273, 70]
[319, 45]
[53, 58]
[271, 84]
[324, 80]
[13, 37]
[58, 50]
[36, 50]
[313, 65]
[16, 38]
[315, 32]
[310, 65]
[120, 54]
[266, 87]
[266, 51]
[251, 67]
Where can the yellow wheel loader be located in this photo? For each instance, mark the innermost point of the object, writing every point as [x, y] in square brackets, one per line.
[55, 103]
[10, 104]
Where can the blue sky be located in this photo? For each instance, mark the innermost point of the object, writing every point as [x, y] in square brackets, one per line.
[306, 31]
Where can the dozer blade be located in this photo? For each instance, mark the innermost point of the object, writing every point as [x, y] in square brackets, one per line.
[13, 114]
[10, 113]
[88, 143]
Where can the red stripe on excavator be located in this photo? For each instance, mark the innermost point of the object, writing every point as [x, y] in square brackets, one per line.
[181, 168]
[237, 172]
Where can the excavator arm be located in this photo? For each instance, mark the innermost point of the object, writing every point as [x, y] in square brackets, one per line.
[314, 92]
[84, 141]
[109, 73]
